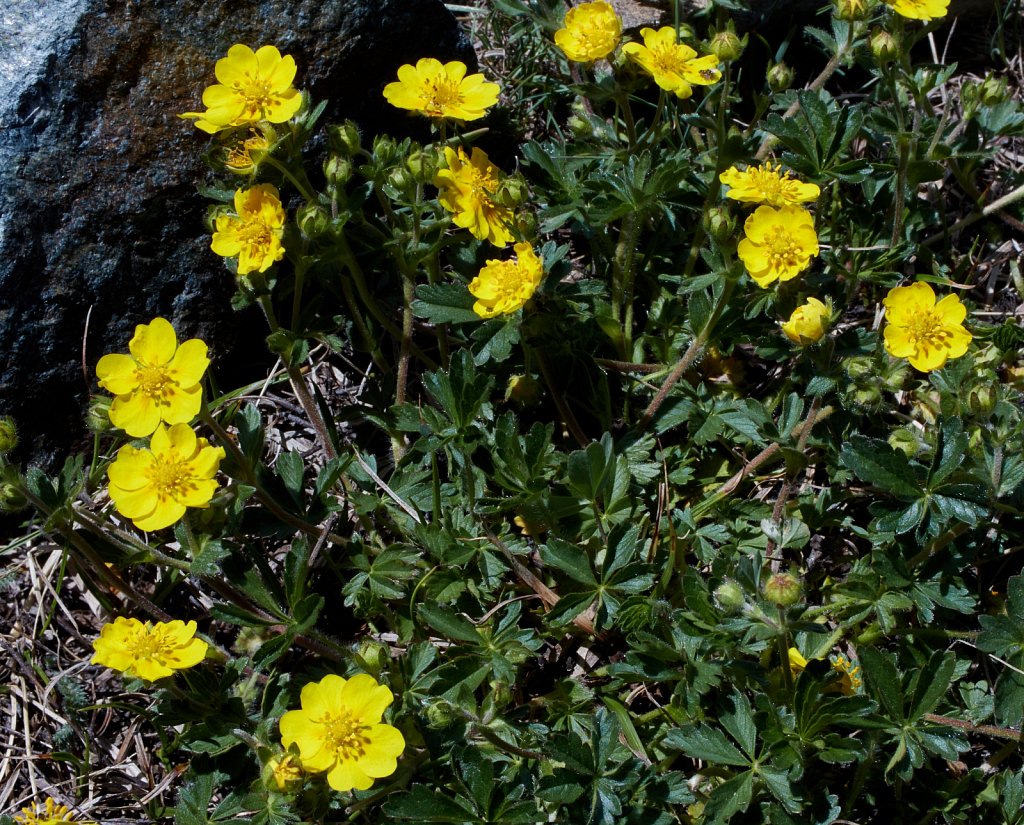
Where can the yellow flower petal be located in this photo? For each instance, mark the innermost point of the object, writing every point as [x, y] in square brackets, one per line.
[116, 373]
[153, 343]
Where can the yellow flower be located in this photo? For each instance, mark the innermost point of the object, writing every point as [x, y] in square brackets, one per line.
[253, 86]
[338, 730]
[591, 31]
[502, 287]
[159, 381]
[149, 651]
[767, 184]
[243, 156]
[441, 90]
[849, 681]
[254, 233]
[808, 322]
[922, 331]
[283, 772]
[920, 9]
[674, 66]
[48, 813]
[468, 187]
[153, 487]
[778, 243]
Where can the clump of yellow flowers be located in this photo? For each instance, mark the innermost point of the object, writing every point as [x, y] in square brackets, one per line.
[442, 90]
[146, 650]
[253, 86]
[924, 332]
[338, 729]
[590, 32]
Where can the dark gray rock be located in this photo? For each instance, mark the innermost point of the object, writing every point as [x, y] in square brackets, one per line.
[98, 202]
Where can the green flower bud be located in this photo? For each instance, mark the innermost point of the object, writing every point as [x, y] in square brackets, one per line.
[374, 655]
[8, 435]
[12, 497]
[860, 366]
[97, 415]
[384, 150]
[970, 98]
[337, 170]
[729, 596]
[720, 223]
[780, 77]
[250, 640]
[906, 442]
[440, 714]
[994, 90]
[726, 45]
[580, 126]
[422, 164]
[511, 192]
[884, 47]
[783, 589]
[313, 220]
[343, 138]
[401, 179]
[852, 9]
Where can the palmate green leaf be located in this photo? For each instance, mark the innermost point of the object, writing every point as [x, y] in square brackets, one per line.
[194, 799]
[570, 559]
[588, 469]
[291, 469]
[739, 722]
[1009, 694]
[445, 304]
[929, 684]
[877, 463]
[424, 804]
[729, 798]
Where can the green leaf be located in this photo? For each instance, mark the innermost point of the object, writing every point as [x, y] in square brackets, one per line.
[740, 724]
[291, 469]
[706, 743]
[882, 680]
[588, 469]
[570, 559]
[446, 621]
[932, 682]
[426, 805]
[445, 304]
[877, 463]
[194, 799]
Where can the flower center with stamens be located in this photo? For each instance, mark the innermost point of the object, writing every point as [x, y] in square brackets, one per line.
[172, 479]
[783, 250]
[667, 60]
[257, 95]
[146, 643]
[255, 233]
[154, 382]
[926, 330]
[442, 93]
[345, 735]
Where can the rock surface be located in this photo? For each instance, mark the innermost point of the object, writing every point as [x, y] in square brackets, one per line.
[99, 212]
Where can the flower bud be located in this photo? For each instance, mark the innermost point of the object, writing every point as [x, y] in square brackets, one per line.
[343, 138]
[440, 714]
[780, 77]
[994, 90]
[884, 47]
[384, 150]
[726, 45]
[250, 640]
[97, 415]
[729, 596]
[970, 98]
[282, 773]
[422, 164]
[808, 323]
[852, 9]
[905, 441]
[783, 589]
[719, 223]
[313, 220]
[579, 126]
[401, 179]
[8, 434]
[859, 366]
[12, 497]
[511, 192]
[337, 170]
[374, 655]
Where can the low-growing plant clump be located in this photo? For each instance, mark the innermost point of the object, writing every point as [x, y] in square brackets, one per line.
[657, 463]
